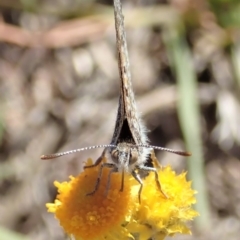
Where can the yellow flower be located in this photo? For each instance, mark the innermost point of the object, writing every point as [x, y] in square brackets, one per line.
[98, 216]
[118, 215]
[158, 216]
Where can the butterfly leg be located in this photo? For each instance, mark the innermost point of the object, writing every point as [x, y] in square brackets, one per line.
[114, 169]
[138, 178]
[98, 161]
[122, 182]
[152, 169]
[109, 165]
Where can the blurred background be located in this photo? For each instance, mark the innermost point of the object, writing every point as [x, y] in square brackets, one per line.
[59, 88]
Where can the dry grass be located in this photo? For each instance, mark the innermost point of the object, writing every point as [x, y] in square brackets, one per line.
[62, 94]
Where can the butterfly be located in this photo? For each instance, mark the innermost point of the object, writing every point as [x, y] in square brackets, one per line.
[129, 149]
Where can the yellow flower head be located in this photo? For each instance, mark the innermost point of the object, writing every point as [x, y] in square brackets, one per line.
[96, 216]
[158, 216]
[118, 215]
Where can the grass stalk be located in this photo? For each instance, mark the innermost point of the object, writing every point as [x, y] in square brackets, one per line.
[189, 117]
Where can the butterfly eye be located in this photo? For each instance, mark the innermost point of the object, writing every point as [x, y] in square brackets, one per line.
[133, 156]
[115, 154]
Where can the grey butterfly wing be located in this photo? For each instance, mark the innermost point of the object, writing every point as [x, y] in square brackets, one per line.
[127, 106]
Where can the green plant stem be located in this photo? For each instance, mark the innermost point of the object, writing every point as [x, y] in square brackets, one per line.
[6, 234]
[235, 55]
[189, 116]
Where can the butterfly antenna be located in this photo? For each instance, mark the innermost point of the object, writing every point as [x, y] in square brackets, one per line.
[181, 153]
[56, 155]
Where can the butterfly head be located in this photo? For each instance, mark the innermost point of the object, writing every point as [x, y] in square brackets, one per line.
[126, 156]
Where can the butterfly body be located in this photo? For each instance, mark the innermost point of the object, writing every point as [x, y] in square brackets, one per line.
[129, 130]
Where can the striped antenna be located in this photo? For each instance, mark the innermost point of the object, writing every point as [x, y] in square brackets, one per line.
[56, 155]
[182, 153]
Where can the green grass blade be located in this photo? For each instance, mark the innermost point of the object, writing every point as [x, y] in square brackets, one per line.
[6, 234]
[189, 116]
[235, 55]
